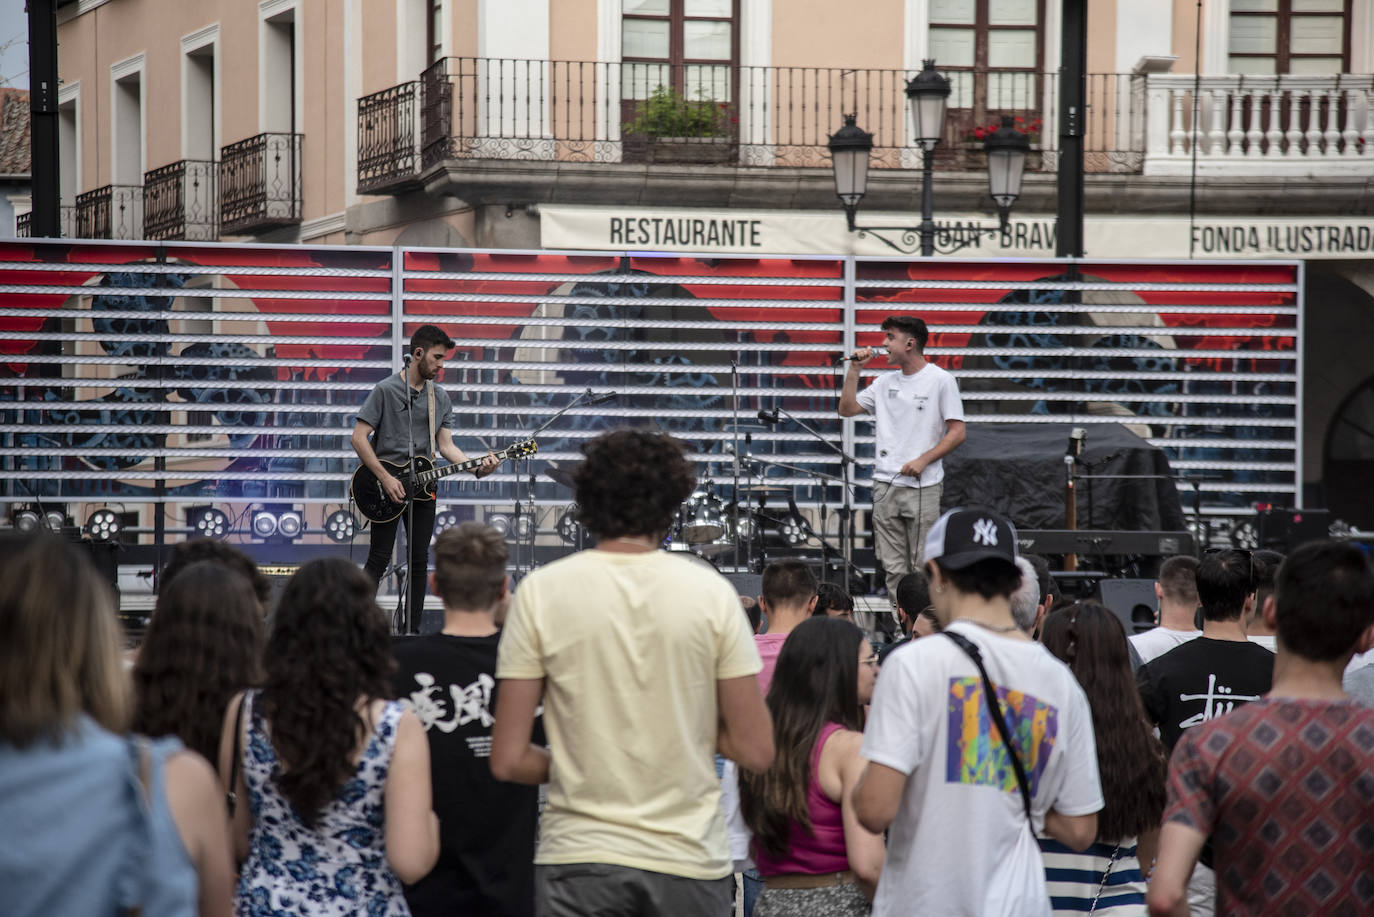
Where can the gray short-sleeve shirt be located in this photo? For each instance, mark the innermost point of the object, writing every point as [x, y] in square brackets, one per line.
[385, 412]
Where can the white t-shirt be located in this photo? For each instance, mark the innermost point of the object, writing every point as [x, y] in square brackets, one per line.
[630, 648]
[1159, 640]
[959, 843]
[910, 413]
[1268, 641]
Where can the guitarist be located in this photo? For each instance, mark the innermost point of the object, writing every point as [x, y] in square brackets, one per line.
[380, 433]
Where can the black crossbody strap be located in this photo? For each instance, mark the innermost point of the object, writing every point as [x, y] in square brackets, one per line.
[995, 707]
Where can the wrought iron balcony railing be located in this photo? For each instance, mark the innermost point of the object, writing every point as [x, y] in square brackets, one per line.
[388, 148]
[23, 225]
[260, 183]
[66, 223]
[111, 212]
[180, 201]
[753, 116]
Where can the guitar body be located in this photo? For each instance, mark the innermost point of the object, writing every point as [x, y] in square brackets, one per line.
[372, 500]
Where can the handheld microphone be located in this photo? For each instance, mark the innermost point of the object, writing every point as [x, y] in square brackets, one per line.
[602, 398]
[845, 358]
[769, 416]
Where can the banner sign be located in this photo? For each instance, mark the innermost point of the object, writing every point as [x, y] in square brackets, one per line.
[776, 232]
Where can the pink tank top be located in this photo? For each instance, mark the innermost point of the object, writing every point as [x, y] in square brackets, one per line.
[820, 850]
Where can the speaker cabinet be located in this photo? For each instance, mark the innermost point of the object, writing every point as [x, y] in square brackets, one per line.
[1132, 601]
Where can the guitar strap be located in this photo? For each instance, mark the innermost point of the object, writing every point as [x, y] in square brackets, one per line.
[429, 394]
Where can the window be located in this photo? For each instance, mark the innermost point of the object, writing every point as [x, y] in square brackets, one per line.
[127, 124]
[993, 53]
[279, 73]
[1289, 36]
[199, 81]
[689, 46]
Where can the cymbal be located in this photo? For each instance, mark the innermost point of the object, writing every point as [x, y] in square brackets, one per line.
[563, 476]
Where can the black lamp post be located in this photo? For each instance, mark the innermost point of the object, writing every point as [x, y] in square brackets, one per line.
[928, 95]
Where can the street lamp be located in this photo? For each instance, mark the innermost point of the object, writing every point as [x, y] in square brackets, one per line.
[928, 95]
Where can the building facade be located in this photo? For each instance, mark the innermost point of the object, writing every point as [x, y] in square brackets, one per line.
[1231, 129]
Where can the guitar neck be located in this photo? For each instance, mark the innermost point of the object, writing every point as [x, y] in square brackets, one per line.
[426, 478]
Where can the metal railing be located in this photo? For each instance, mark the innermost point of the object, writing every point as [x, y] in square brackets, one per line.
[260, 183]
[181, 201]
[586, 111]
[111, 212]
[388, 150]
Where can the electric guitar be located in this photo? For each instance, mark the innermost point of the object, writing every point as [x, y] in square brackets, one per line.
[372, 500]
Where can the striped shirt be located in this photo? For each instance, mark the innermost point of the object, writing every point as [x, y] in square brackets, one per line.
[1074, 879]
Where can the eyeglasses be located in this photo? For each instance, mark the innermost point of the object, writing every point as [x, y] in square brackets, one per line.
[871, 661]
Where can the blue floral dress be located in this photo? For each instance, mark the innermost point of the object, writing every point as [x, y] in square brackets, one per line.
[338, 866]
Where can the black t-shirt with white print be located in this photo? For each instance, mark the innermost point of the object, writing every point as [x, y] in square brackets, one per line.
[486, 827]
[1200, 680]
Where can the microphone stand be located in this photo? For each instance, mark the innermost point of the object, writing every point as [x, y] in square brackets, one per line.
[515, 516]
[846, 511]
[825, 546]
[403, 609]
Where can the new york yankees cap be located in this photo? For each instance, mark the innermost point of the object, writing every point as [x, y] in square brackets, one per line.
[965, 536]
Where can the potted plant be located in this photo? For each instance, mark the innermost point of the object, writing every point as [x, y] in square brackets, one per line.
[668, 127]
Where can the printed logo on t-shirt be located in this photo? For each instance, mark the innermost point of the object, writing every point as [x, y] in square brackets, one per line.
[467, 703]
[976, 754]
[1217, 700]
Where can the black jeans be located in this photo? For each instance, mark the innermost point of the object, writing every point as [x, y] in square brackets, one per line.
[384, 542]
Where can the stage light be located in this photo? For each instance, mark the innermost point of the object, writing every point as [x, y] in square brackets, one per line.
[25, 519]
[524, 527]
[569, 529]
[264, 523]
[208, 522]
[103, 525]
[793, 529]
[277, 522]
[501, 523]
[290, 524]
[340, 526]
[445, 519]
[54, 520]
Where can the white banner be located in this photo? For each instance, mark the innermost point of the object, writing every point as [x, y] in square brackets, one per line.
[774, 232]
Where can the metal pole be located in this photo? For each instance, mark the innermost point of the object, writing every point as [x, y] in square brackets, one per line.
[44, 170]
[1073, 98]
[927, 203]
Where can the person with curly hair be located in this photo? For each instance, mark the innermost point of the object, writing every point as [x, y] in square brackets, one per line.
[203, 646]
[644, 667]
[834, 600]
[332, 780]
[814, 855]
[1108, 877]
[92, 820]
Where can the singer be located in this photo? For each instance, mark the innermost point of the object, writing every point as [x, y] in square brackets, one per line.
[380, 433]
[919, 419]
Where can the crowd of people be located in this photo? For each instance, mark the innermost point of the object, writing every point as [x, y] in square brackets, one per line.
[618, 736]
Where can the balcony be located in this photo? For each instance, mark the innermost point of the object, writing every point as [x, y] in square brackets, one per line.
[1260, 125]
[180, 201]
[388, 150]
[476, 109]
[111, 212]
[66, 223]
[577, 111]
[260, 183]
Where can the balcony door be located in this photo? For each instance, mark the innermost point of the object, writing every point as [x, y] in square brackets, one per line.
[993, 53]
[687, 49]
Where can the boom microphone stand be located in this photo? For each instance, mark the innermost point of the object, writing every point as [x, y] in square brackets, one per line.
[400, 620]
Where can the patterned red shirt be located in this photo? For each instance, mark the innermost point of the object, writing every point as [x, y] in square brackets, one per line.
[1285, 788]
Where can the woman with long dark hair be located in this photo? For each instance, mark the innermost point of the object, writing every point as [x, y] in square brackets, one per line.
[332, 780]
[1109, 877]
[814, 856]
[203, 646]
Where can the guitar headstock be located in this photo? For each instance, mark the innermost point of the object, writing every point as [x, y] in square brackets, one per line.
[522, 449]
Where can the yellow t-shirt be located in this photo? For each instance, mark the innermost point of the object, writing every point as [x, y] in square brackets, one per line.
[631, 647]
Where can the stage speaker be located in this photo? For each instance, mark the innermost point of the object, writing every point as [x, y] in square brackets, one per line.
[1285, 529]
[277, 575]
[1132, 601]
[747, 584]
